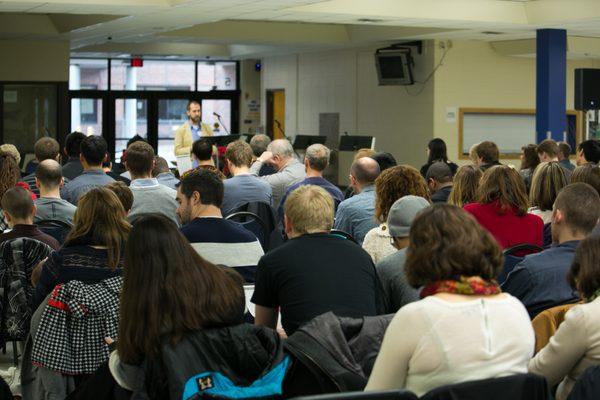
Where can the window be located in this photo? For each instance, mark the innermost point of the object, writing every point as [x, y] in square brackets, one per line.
[88, 74]
[219, 75]
[154, 75]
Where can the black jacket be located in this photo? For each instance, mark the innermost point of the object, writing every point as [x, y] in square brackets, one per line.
[338, 352]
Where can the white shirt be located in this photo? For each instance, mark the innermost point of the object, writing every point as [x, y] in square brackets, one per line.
[434, 342]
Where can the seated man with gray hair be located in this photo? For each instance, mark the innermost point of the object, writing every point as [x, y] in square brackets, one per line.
[316, 160]
[315, 271]
[279, 154]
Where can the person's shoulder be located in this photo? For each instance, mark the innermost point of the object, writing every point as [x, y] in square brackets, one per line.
[239, 230]
[534, 218]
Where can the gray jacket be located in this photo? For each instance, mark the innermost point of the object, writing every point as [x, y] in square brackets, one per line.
[293, 172]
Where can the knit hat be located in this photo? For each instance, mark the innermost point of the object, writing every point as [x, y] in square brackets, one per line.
[402, 214]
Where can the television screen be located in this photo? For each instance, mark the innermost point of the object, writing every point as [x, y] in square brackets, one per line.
[394, 67]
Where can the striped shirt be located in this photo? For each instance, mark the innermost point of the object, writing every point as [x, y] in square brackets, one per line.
[224, 242]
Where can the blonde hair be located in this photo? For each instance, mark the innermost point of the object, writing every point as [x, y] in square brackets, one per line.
[466, 183]
[99, 221]
[12, 150]
[473, 153]
[364, 152]
[548, 179]
[310, 210]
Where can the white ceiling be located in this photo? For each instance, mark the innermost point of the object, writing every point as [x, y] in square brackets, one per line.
[219, 27]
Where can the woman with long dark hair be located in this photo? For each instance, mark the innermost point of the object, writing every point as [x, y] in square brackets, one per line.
[93, 248]
[437, 152]
[180, 315]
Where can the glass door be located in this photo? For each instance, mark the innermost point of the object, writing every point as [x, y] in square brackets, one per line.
[87, 115]
[131, 119]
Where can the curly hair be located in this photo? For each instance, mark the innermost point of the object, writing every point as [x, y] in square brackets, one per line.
[394, 183]
[445, 242]
[9, 172]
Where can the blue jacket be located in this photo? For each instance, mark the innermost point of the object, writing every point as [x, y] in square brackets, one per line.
[540, 280]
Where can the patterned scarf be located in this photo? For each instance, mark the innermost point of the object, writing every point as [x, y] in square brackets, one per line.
[593, 296]
[469, 285]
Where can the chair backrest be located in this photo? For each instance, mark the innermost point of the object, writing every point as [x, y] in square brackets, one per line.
[343, 234]
[18, 258]
[587, 386]
[380, 395]
[547, 235]
[55, 228]
[514, 387]
[513, 256]
[260, 219]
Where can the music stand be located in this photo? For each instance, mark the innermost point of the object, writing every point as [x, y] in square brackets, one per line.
[222, 141]
[354, 143]
[302, 142]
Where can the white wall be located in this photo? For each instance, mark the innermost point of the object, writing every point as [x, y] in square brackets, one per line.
[345, 82]
[250, 97]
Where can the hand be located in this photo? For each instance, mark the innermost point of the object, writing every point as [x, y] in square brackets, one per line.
[265, 157]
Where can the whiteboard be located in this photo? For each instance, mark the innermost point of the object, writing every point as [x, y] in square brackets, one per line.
[509, 131]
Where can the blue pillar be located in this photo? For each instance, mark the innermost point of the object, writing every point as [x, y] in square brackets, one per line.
[551, 84]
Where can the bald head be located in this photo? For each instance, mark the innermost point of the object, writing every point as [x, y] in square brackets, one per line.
[365, 170]
[49, 175]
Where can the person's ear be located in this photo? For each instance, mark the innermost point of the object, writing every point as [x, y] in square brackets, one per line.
[287, 225]
[125, 164]
[195, 199]
[8, 217]
[81, 158]
[557, 216]
[62, 183]
[37, 182]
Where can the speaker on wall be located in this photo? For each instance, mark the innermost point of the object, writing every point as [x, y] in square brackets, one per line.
[587, 89]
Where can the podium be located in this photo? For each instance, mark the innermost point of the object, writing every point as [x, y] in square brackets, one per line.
[348, 147]
[302, 142]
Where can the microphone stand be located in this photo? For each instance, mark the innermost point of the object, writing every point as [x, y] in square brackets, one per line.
[222, 124]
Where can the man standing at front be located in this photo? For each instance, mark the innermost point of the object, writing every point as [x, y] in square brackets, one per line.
[191, 130]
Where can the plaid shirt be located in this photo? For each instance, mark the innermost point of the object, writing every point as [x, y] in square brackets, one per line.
[3, 223]
[71, 332]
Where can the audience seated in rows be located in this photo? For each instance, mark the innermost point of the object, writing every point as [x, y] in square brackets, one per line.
[93, 152]
[9, 177]
[19, 212]
[548, 180]
[12, 150]
[202, 156]
[576, 344]
[149, 196]
[163, 174]
[392, 184]
[458, 331]
[465, 185]
[50, 206]
[73, 167]
[564, 153]
[356, 215]
[314, 271]
[259, 144]
[548, 151]
[45, 148]
[396, 290]
[124, 194]
[107, 167]
[440, 182]
[385, 160]
[180, 315]
[217, 240]
[588, 151]
[539, 280]
[243, 187]
[529, 161]
[502, 206]
[437, 152]
[93, 249]
[316, 161]
[487, 154]
[279, 154]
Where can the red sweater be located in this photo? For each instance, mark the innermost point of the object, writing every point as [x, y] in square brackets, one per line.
[509, 229]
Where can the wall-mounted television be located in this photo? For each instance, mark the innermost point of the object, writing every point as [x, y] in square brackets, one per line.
[394, 66]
